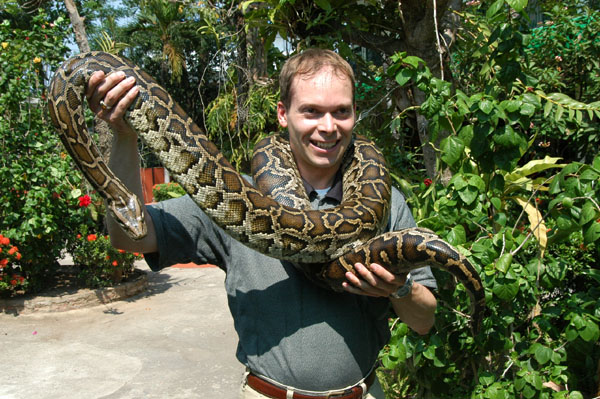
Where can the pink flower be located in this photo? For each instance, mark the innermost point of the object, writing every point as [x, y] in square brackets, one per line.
[84, 201]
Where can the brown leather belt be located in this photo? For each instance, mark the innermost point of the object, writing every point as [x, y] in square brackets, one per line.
[273, 391]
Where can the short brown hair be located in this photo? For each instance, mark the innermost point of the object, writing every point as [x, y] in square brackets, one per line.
[307, 63]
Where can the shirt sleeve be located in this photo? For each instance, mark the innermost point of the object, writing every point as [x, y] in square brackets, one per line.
[186, 234]
[402, 218]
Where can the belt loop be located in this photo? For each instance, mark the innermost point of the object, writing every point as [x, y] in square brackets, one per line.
[289, 394]
[363, 387]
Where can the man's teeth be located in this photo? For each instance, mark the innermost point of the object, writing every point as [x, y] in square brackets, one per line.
[325, 146]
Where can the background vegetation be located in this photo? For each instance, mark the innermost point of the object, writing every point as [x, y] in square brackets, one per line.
[488, 113]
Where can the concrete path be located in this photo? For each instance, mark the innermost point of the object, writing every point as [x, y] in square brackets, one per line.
[176, 340]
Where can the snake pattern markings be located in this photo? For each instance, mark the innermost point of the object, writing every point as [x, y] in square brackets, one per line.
[325, 244]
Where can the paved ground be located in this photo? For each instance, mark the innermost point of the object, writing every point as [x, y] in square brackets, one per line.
[176, 340]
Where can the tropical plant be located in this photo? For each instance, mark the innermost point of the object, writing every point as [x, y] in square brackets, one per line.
[165, 191]
[36, 209]
[530, 224]
[100, 264]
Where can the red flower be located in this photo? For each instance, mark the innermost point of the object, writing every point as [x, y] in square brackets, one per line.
[4, 240]
[91, 237]
[78, 235]
[18, 256]
[427, 182]
[13, 282]
[84, 201]
[3, 263]
[12, 250]
[115, 263]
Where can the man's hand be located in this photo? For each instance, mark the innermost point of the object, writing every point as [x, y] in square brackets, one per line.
[109, 96]
[373, 281]
[417, 309]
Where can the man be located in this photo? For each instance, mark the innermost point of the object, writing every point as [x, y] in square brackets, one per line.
[294, 337]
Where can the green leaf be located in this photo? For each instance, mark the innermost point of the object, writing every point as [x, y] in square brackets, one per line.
[589, 174]
[458, 182]
[324, 4]
[517, 5]
[457, 235]
[534, 166]
[404, 76]
[590, 332]
[592, 233]
[559, 112]
[486, 106]
[588, 213]
[413, 61]
[506, 292]
[541, 353]
[496, 202]
[548, 108]
[511, 105]
[75, 193]
[504, 262]
[452, 149]
[527, 109]
[468, 195]
[477, 182]
[494, 9]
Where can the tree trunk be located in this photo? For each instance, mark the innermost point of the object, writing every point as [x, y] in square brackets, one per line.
[78, 26]
[104, 132]
[243, 82]
[421, 26]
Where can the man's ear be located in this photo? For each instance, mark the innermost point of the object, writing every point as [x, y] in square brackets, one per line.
[282, 114]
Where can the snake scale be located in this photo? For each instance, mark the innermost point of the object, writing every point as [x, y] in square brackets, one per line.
[325, 243]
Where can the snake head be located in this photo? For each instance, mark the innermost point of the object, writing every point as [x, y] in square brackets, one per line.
[129, 214]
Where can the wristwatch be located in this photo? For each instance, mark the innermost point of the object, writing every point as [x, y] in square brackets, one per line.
[405, 289]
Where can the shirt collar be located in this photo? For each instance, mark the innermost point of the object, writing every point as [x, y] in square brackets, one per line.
[335, 192]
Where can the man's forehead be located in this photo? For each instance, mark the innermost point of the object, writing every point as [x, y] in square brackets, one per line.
[321, 82]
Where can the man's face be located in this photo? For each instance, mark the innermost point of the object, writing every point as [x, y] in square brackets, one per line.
[320, 120]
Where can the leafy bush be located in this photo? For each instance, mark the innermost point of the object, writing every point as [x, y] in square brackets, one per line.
[165, 191]
[101, 264]
[36, 177]
[528, 222]
[11, 278]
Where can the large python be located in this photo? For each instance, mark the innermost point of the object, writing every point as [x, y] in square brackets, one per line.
[324, 243]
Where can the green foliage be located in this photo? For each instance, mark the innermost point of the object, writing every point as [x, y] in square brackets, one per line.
[236, 142]
[530, 225]
[11, 278]
[101, 264]
[36, 210]
[563, 56]
[165, 191]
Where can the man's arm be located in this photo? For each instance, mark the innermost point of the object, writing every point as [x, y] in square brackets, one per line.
[118, 93]
[417, 309]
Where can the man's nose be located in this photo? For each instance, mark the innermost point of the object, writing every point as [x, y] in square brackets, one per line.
[327, 123]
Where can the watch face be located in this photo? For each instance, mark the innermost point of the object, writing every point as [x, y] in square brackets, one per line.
[404, 290]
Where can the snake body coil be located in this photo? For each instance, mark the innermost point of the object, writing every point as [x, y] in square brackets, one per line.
[324, 243]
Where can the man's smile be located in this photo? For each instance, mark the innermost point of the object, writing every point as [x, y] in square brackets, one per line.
[325, 145]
